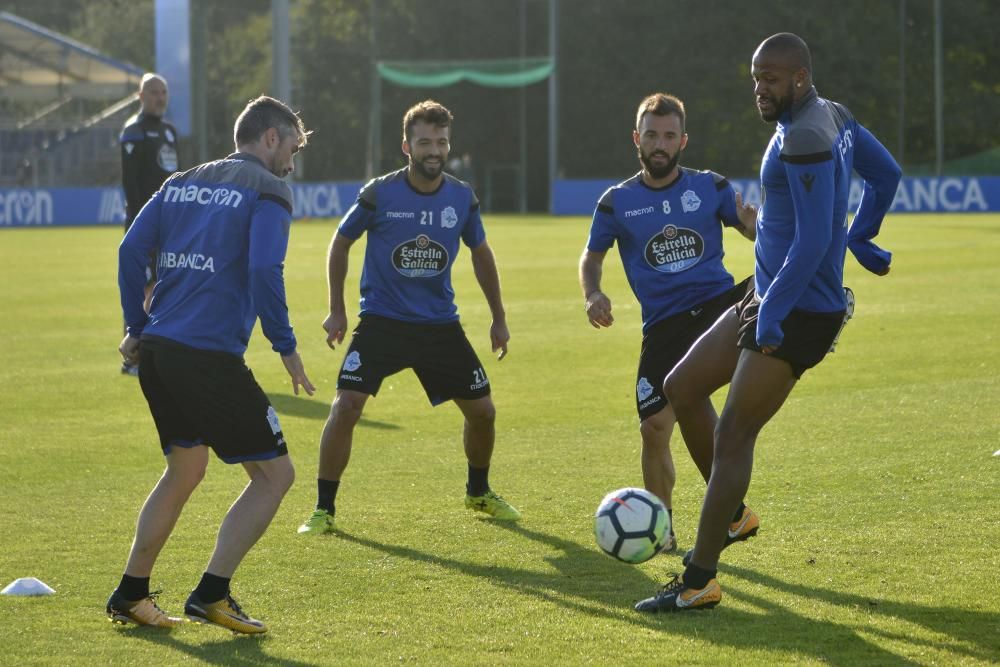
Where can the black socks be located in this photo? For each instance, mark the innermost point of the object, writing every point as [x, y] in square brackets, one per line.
[478, 483]
[212, 588]
[695, 577]
[327, 495]
[134, 588]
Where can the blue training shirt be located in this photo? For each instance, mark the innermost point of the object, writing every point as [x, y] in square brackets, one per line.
[221, 232]
[413, 239]
[669, 239]
[802, 233]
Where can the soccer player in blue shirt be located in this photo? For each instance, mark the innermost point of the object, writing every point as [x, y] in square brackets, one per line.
[221, 230]
[667, 221]
[415, 219]
[794, 315]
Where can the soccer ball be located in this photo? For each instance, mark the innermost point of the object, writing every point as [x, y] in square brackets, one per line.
[631, 524]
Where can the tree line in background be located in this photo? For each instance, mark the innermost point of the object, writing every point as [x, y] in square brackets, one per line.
[610, 54]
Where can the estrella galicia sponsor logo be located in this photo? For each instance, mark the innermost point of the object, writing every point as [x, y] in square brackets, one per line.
[400, 215]
[690, 201]
[352, 362]
[639, 211]
[25, 207]
[186, 260]
[204, 196]
[422, 257]
[643, 389]
[449, 218]
[674, 249]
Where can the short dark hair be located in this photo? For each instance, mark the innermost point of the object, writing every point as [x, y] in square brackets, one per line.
[264, 113]
[661, 104]
[427, 111]
[791, 47]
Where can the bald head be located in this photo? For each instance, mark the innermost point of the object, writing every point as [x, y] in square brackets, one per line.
[785, 49]
[153, 94]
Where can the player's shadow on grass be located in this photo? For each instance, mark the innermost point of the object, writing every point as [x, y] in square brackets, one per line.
[310, 408]
[299, 406]
[235, 650]
[970, 630]
[589, 582]
[586, 580]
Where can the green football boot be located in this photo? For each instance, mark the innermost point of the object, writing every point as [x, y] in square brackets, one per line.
[319, 522]
[494, 505]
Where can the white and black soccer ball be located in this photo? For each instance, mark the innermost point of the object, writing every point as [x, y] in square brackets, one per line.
[631, 524]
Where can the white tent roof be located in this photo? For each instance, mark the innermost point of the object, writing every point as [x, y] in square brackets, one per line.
[39, 64]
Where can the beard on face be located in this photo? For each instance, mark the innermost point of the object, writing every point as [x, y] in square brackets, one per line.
[430, 173]
[779, 105]
[655, 171]
[277, 169]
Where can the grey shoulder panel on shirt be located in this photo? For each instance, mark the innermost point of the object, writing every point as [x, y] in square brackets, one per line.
[719, 180]
[245, 174]
[459, 183]
[814, 131]
[367, 197]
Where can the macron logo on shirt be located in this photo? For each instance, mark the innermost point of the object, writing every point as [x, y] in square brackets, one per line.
[204, 196]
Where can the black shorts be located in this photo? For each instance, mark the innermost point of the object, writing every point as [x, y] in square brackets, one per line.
[667, 341]
[199, 397]
[440, 355]
[807, 338]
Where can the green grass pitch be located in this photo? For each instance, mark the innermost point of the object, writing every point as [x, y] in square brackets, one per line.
[876, 484]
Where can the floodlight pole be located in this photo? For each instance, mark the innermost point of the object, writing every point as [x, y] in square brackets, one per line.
[938, 91]
[901, 146]
[281, 81]
[375, 108]
[553, 101]
[522, 181]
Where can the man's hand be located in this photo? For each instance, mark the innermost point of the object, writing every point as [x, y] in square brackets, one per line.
[747, 213]
[293, 364]
[335, 325]
[599, 310]
[499, 336]
[129, 349]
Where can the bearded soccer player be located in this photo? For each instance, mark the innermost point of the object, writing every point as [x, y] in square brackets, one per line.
[222, 231]
[667, 221]
[416, 218]
[799, 305]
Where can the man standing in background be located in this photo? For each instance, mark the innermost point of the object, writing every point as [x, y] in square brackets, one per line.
[149, 156]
